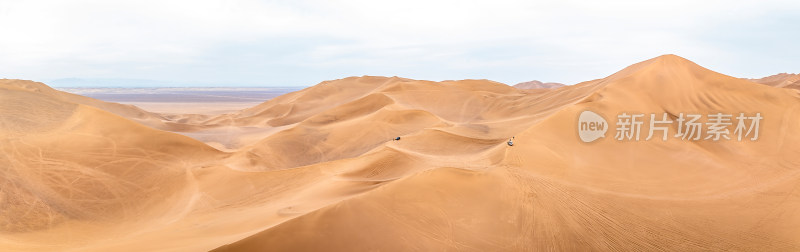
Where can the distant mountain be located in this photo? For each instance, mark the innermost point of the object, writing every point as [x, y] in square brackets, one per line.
[537, 85]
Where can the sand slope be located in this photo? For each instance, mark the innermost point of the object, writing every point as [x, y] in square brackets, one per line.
[128, 111]
[549, 192]
[317, 170]
[66, 163]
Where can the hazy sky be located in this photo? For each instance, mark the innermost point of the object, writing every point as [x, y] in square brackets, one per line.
[283, 43]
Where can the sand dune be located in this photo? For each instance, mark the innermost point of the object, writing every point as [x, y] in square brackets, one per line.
[127, 111]
[537, 85]
[780, 80]
[317, 169]
[66, 163]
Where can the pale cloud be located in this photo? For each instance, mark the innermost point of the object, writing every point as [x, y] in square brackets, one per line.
[248, 42]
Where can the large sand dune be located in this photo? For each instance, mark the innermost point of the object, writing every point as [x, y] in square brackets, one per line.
[317, 170]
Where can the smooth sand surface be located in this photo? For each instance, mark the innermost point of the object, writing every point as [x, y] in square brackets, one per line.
[316, 169]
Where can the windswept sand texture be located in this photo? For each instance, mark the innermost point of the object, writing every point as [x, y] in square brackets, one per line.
[316, 170]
